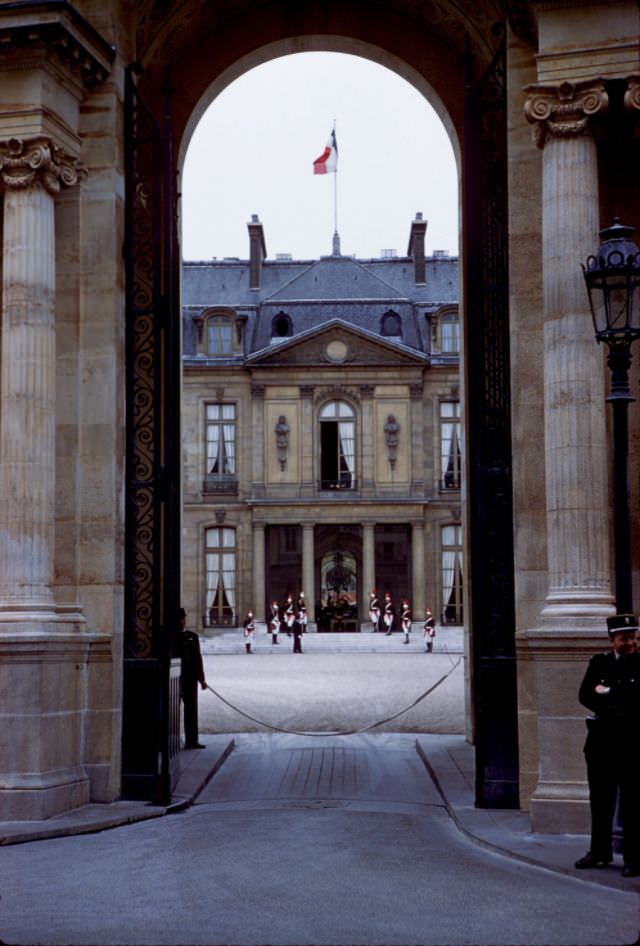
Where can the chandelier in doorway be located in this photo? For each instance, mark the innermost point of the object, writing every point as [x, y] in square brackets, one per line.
[339, 576]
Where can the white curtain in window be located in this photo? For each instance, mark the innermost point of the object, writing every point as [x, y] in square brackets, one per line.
[213, 448]
[213, 577]
[448, 574]
[450, 447]
[347, 445]
[228, 433]
[229, 578]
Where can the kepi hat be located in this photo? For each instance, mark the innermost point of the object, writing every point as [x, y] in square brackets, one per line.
[622, 622]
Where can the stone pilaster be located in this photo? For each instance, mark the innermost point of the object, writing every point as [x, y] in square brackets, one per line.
[258, 435]
[258, 571]
[368, 565]
[366, 476]
[32, 173]
[418, 603]
[308, 569]
[417, 439]
[307, 487]
[575, 431]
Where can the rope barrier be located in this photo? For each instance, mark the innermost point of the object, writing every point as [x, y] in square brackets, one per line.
[337, 732]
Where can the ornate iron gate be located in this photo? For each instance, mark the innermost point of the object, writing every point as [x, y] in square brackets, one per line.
[489, 471]
[151, 704]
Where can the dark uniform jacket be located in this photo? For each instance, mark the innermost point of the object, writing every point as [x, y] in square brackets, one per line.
[192, 669]
[617, 713]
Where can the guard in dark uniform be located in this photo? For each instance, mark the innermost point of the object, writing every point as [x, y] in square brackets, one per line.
[249, 632]
[274, 622]
[302, 609]
[191, 673]
[611, 690]
[405, 620]
[289, 615]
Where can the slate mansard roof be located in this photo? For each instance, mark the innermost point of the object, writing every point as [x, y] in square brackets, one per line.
[313, 293]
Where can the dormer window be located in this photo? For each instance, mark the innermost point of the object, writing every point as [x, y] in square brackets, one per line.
[281, 326]
[445, 332]
[391, 324]
[219, 335]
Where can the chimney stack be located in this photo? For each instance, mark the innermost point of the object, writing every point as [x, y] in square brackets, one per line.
[416, 248]
[257, 251]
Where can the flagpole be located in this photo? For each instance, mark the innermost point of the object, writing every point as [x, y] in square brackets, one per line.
[336, 238]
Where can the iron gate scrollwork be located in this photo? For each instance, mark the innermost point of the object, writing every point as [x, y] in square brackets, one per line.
[489, 472]
[152, 565]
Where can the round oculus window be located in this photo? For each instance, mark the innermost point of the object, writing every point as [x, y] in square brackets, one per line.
[336, 351]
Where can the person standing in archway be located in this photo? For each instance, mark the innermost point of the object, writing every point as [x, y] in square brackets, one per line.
[611, 690]
[191, 673]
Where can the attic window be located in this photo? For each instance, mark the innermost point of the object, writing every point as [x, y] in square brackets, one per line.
[281, 327]
[391, 324]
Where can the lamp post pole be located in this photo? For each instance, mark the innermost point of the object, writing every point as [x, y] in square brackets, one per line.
[619, 361]
[612, 276]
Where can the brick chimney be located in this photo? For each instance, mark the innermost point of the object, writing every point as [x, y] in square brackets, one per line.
[257, 251]
[416, 248]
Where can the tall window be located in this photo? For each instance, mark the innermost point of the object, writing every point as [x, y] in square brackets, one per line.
[337, 446]
[221, 446]
[449, 445]
[220, 571]
[452, 605]
[220, 335]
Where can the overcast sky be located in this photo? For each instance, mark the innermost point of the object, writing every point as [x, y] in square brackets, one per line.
[254, 149]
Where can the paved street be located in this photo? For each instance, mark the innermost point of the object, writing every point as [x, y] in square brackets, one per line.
[301, 840]
[333, 691]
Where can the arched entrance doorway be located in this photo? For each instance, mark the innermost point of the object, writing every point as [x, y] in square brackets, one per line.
[459, 65]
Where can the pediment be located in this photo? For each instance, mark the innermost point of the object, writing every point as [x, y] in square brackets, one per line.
[336, 344]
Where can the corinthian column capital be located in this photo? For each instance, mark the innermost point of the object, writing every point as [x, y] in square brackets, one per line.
[37, 162]
[564, 111]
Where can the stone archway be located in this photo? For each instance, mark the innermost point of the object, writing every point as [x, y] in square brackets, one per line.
[460, 64]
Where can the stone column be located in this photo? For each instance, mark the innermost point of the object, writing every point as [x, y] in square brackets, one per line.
[577, 517]
[575, 434]
[32, 173]
[258, 571]
[417, 571]
[308, 569]
[368, 566]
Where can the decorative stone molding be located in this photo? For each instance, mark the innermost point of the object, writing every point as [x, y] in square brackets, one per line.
[25, 164]
[564, 111]
[306, 390]
[220, 515]
[415, 392]
[366, 390]
[257, 390]
[62, 33]
[338, 393]
[282, 440]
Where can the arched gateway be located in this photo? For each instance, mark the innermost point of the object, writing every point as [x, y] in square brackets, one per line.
[535, 431]
[466, 83]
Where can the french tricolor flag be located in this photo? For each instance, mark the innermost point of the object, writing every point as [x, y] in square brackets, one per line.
[327, 163]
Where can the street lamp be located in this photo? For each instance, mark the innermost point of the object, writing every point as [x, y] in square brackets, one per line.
[612, 276]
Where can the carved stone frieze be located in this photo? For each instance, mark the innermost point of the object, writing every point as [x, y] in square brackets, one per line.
[38, 162]
[565, 110]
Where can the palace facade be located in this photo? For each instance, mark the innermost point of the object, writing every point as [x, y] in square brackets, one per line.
[321, 434]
